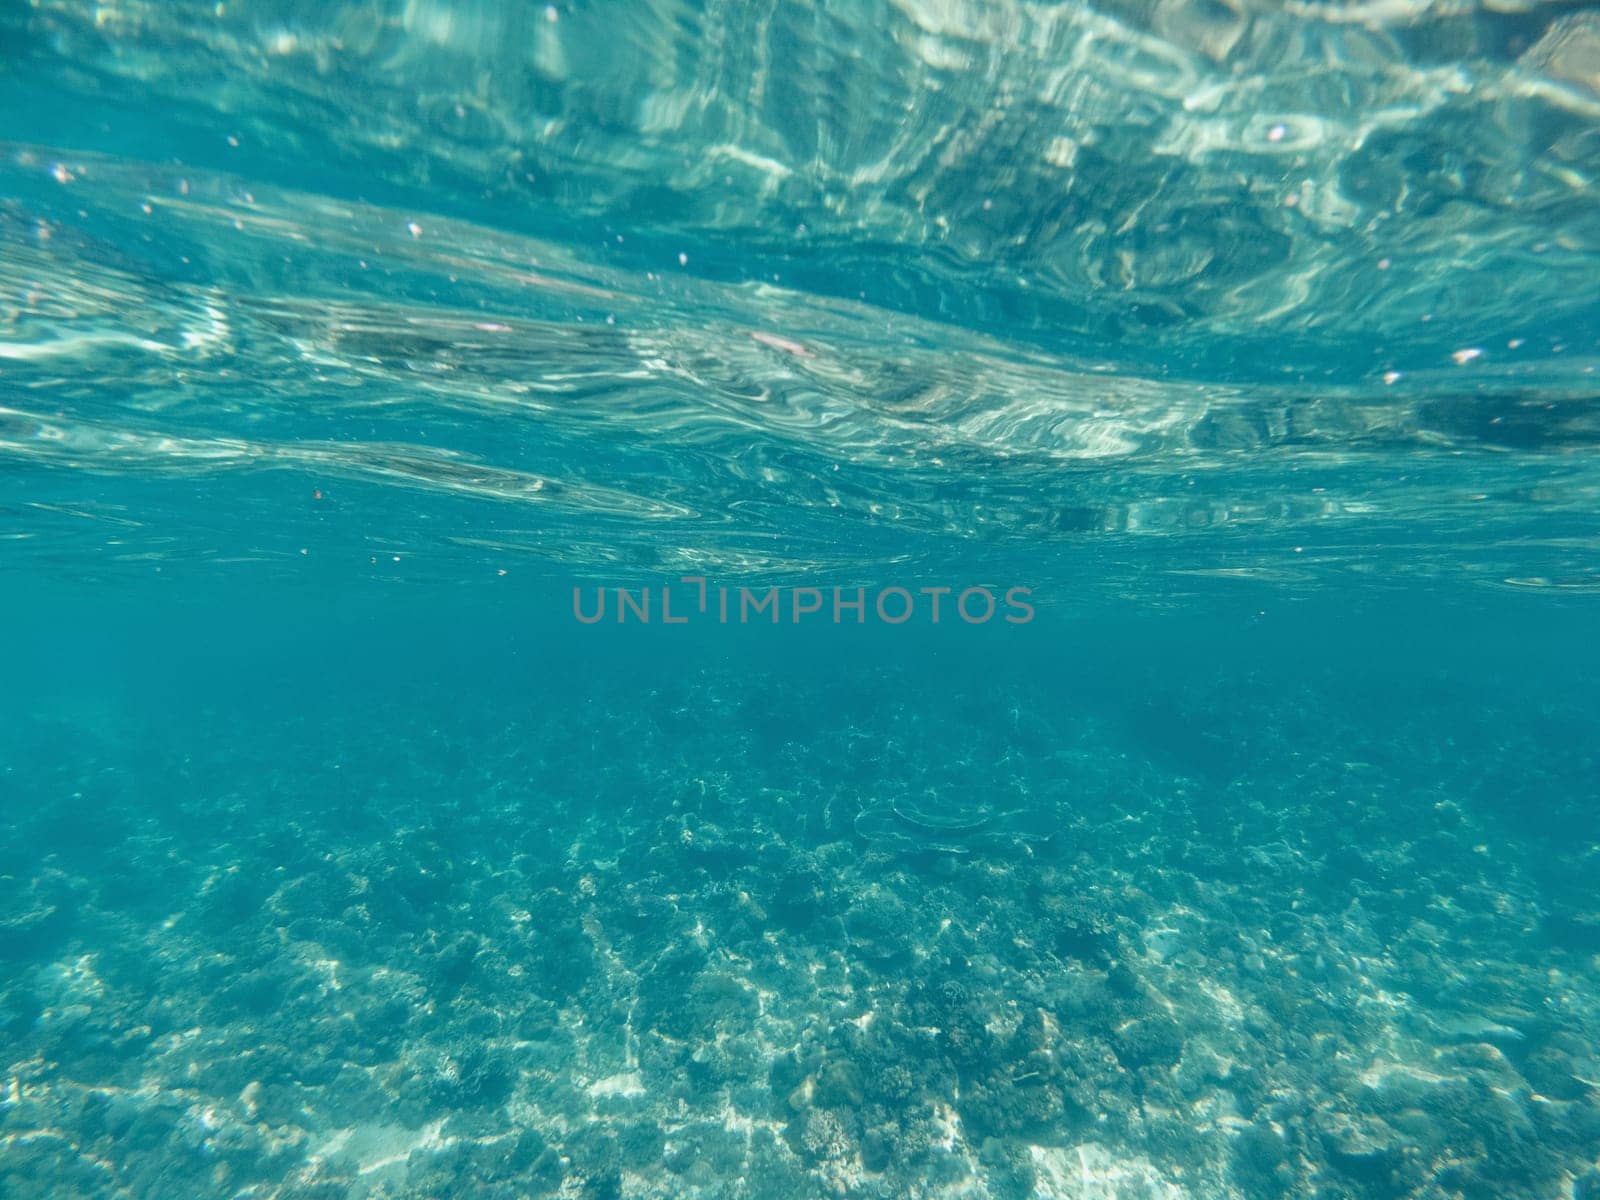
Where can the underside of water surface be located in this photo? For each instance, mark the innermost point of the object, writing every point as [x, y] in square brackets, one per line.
[747, 599]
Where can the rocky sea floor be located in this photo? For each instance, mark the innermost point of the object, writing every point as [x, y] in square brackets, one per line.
[725, 941]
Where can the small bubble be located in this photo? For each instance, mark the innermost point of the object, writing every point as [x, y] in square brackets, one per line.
[683, 259]
[550, 14]
[1391, 377]
[61, 174]
[1463, 357]
[414, 229]
[1514, 344]
[1275, 134]
[1383, 264]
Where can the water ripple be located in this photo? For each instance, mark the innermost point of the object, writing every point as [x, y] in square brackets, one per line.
[1110, 288]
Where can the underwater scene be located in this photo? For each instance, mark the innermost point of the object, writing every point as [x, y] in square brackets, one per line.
[786, 599]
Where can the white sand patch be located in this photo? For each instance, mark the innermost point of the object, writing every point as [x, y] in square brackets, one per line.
[1090, 1172]
[374, 1148]
[628, 1085]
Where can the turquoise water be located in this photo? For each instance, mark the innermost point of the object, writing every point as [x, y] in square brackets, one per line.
[475, 484]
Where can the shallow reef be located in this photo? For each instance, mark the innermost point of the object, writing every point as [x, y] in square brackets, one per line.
[1220, 945]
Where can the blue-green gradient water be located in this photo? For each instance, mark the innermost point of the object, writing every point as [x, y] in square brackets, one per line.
[351, 353]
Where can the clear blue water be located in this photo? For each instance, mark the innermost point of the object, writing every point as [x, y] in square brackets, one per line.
[352, 353]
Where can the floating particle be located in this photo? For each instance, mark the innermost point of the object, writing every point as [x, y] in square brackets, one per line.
[414, 229]
[1514, 344]
[1463, 357]
[61, 174]
[683, 259]
[1391, 377]
[1275, 134]
[987, 205]
[1383, 264]
[501, 572]
[233, 141]
[550, 14]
